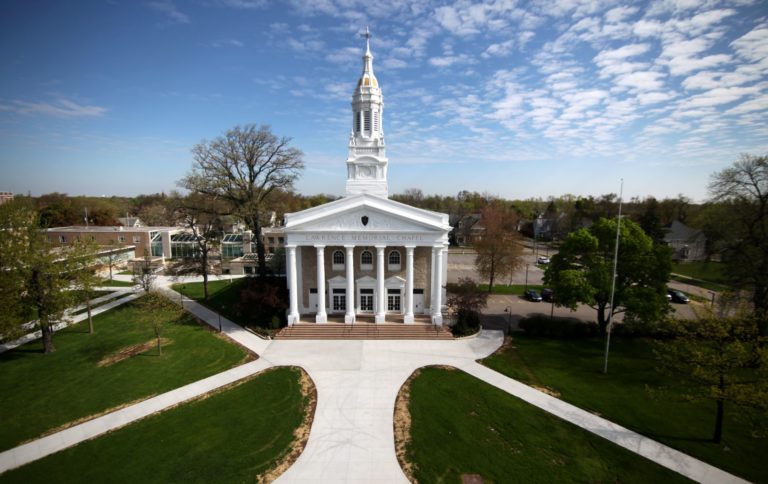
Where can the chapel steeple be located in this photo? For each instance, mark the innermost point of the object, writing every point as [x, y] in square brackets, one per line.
[367, 161]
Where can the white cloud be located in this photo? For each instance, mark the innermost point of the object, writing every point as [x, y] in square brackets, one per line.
[502, 49]
[393, 63]
[655, 97]
[449, 60]
[641, 81]
[718, 96]
[169, 9]
[62, 108]
[345, 55]
[227, 43]
[753, 46]
[619, 14]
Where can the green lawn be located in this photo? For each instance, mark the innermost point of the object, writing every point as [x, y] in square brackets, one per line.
[461, 425]
[39, 392]
[116, 283]
[232, 436]
[513, 289]
[705, 271]
[573, 368]
[223, 296]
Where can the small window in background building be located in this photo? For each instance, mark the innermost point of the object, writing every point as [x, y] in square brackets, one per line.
[121, 238]
[136, 239]
[62, 239]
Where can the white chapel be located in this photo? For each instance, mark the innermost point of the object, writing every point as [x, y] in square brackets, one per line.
[365, 256]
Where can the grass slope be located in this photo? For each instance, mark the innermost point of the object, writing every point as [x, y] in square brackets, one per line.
[461, 425]
[574, 369]
[223, 296]
[40, 392]
[231, 436]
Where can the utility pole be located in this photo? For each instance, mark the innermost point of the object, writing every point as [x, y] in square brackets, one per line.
[613, 281]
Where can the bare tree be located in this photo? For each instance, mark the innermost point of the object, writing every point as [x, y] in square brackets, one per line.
[200, 215]
[144, 274]
[243, 168]
[499, 252]
[742, 188]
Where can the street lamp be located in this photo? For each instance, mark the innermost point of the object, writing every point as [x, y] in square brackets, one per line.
[508, 310]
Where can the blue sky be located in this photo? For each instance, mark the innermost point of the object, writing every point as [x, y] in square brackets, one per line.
[518, 99]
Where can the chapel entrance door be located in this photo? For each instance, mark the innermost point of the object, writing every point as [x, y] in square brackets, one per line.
[366, 300]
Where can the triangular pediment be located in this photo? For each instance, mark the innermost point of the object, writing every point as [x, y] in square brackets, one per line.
[365, 213]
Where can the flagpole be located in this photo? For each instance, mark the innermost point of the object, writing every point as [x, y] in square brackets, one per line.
[613, 282]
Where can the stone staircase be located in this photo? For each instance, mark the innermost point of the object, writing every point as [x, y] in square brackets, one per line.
[364, 331]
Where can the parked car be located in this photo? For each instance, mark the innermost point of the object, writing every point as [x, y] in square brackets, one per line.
[542, 260]
[548, 294]
[532, 295]
[678, 296]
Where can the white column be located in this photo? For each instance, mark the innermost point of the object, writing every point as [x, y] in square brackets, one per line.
[349, 318]
[437, 272]
[322, 315]
[293, 313]
[432, 283]
[408, 284]
[381, 297]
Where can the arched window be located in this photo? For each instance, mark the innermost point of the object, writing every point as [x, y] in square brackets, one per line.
[394, 260]
[366, 260]
[338, 260]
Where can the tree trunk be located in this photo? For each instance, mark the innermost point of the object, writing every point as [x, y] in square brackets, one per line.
[492, 274]
[90, 316]
[261, 257]
[718, 436]
[205, 275]
[47, 338]
[601, 319]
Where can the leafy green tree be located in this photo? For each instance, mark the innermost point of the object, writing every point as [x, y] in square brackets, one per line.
[742, 190]
[36, 277]
[720, 358]
[499, 251]
[157, 310]
[243, 168]
[582, 272]
[650, 221]
[85, 277]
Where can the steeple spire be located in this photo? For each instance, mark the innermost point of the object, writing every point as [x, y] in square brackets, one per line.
[367, 57]
[367, 160]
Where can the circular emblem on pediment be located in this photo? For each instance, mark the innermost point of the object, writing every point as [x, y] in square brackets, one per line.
[364, 219]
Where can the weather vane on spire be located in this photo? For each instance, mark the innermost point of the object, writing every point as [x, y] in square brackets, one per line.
[366, 34]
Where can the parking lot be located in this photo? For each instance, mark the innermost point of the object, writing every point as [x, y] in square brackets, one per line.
[505, 311]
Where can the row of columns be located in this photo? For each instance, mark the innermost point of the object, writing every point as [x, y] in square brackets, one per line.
[381, 294]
